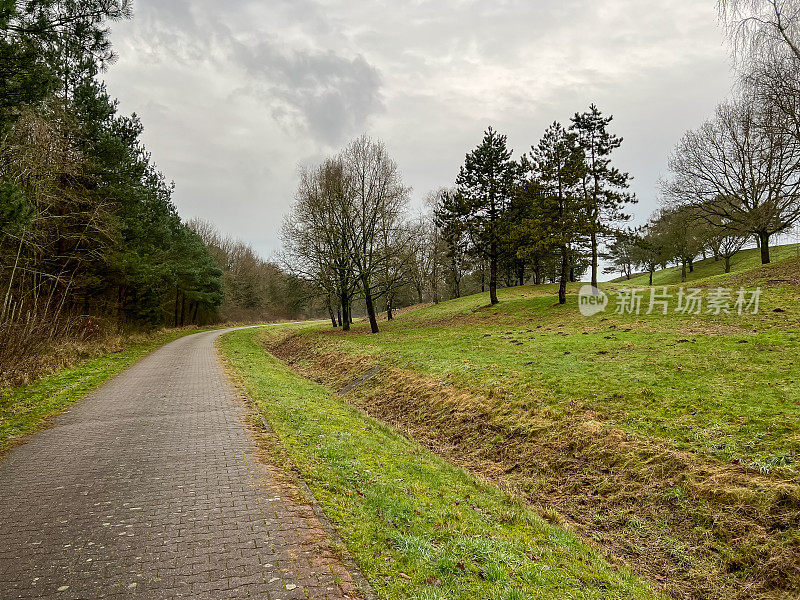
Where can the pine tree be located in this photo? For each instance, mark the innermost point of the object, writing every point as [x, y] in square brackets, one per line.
[557, 218]
[603, 186]
[485, 187]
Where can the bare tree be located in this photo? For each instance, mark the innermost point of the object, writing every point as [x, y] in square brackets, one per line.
[419, 266]
[317, 239]
[765, 38]
[762, 29]
[401, 250]
[377, 199]
[427, 267]
[741, 171]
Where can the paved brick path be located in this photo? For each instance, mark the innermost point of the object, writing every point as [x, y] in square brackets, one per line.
[150, 488]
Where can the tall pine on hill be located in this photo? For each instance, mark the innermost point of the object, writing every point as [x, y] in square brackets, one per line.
[603, 186]
[557, 221]
[485, 187]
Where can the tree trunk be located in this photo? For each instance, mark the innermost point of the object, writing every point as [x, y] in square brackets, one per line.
[594, 257]
[727, 264]
[691, 265]
[373, 320]
[493, 274]
[763, 239]
[389, 315]
[183, 308]
[177, 304]
[194, 314]
[345, 312]
[562, 289]
[651, 278]
[339, 315]
[683, 271]
[332, 315]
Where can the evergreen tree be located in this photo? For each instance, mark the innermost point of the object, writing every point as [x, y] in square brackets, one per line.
[603, 186]
[447, 216]
[90, 221]
[621, 254]
[485, 188]
[557, 220]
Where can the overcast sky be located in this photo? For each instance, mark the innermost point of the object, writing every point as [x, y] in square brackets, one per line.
[236, 94]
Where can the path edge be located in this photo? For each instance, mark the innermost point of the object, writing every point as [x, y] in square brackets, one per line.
[363, 585]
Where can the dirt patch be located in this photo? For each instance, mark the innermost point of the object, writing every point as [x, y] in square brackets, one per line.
[696, 528]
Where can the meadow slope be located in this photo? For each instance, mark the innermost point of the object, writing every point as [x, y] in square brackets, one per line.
[670, 441]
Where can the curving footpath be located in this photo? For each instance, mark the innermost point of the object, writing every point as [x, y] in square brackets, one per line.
[150, 488]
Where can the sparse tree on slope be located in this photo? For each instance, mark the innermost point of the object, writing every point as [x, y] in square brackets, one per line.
[621, 254]
[741, 170]
[378, 200]
[448, 217]
[650, 248]
[678, 227]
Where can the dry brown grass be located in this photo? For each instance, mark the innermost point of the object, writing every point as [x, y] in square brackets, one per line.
[695, 527]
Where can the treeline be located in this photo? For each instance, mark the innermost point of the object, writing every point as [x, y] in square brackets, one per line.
[735, 180]
[87, 225]
[255, 290]
[543, 217]
[674, 235]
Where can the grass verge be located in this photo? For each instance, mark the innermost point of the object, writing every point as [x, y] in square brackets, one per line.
[28, 408]
[417, 526]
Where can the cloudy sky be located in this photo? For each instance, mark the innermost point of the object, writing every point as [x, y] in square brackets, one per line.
[235, 95]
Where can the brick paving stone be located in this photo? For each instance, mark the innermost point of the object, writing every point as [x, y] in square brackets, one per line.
[150, 488]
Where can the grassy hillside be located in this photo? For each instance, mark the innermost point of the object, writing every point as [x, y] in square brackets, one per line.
[417, 526]
[745, 260]
[670, 441]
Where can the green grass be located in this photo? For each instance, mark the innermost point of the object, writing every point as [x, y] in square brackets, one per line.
[742, 261]
[418, 527]
[722, 386]
[26, 409]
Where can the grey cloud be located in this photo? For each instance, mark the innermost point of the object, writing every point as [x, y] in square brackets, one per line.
[332, 95]
[328, 95]
[249, 89]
